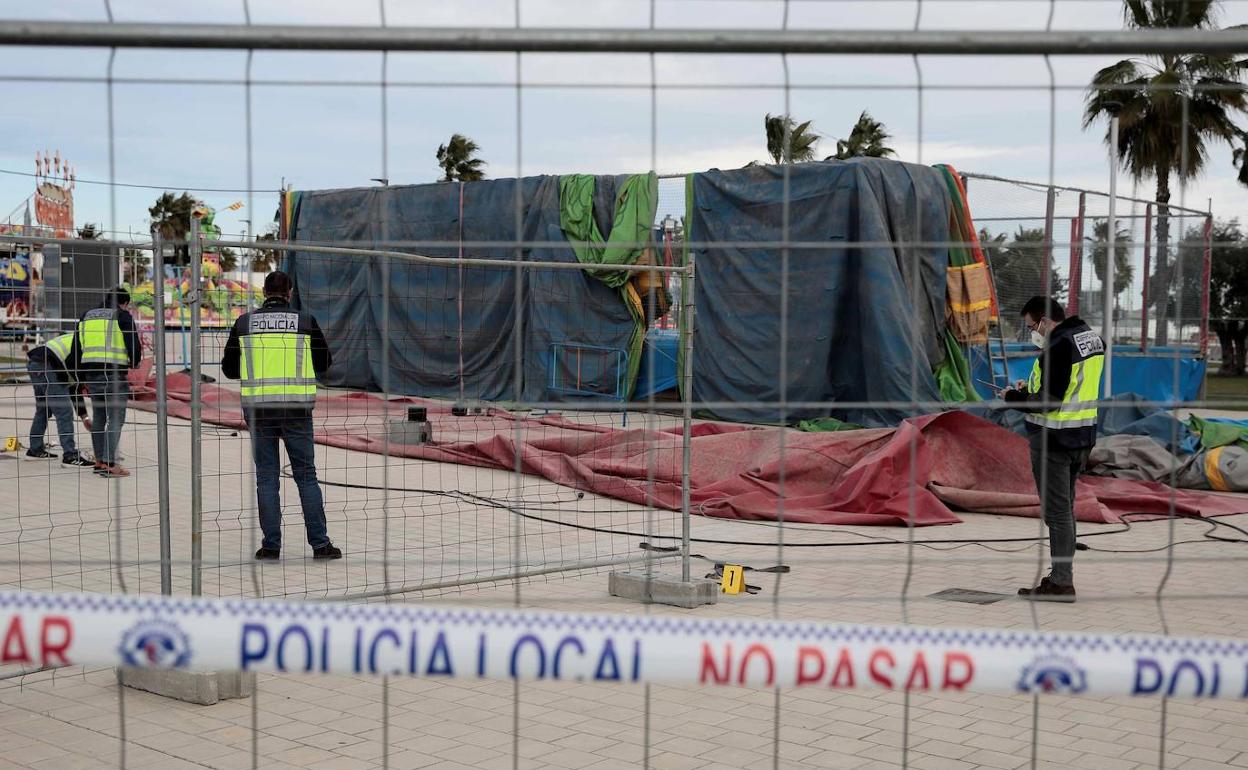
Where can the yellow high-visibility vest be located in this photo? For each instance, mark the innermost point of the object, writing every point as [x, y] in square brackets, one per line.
[101, 340]
[276, 361]
[1078, 407]
[60, 347]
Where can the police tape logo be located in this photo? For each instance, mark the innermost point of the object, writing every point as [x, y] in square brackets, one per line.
[1053, 674]
[155, 643]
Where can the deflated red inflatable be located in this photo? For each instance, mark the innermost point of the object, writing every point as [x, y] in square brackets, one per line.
[917, 473]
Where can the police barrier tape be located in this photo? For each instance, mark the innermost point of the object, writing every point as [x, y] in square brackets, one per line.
[41, 629]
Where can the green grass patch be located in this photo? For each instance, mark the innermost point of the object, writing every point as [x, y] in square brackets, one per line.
[1223, 388]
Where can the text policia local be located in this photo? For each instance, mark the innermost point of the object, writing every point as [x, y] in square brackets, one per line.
[393, 651]
[594, 657]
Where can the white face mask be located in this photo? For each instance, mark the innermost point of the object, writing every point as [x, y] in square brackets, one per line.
[1038, 339]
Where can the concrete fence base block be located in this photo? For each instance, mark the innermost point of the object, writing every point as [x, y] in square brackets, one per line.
[662, 589]
[202, 687]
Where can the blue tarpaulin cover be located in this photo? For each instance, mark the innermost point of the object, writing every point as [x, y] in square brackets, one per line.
[558, 307]
[864, 322]
[865, 310]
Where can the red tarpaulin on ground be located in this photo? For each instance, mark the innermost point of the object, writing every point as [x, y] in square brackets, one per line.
[930, 465]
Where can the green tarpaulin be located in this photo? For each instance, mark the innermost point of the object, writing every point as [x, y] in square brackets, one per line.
[631, 229]
[825, 425]
[1216, 433]
[953, 375]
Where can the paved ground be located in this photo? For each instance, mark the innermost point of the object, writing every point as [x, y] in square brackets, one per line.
[65, 528]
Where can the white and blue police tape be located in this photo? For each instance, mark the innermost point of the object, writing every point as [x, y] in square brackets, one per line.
[41, 629]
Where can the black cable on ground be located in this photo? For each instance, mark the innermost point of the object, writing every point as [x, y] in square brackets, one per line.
[526, 511]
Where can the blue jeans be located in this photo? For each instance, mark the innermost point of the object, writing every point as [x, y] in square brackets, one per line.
[51, 398]
[109, 393]
[267, 427]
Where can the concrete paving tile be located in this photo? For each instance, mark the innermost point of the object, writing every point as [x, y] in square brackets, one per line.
[997, 759]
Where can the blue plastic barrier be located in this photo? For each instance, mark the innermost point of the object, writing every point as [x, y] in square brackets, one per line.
[658, 361]
[1150, 374]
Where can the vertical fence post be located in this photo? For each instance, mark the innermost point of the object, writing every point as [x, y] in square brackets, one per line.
[1206, 276]
[162, 412]
[686, 330]
[1076, 257]
[1148, 252]
[1046, 275]
[1107, 285]
[197, 454]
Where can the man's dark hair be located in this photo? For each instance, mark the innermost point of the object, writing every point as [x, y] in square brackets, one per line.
[121, 297]
[277, 284]
[1043, 307]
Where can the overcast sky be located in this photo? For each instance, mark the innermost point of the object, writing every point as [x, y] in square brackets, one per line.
[985, 114]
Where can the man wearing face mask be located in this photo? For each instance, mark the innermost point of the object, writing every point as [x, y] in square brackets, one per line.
[1060, 401]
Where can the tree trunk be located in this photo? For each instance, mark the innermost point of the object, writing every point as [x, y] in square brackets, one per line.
[1241, 338]
[1226, 338]
[1161, 286]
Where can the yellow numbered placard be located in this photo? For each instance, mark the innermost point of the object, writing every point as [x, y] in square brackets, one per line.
[733, 581]
[11, 444]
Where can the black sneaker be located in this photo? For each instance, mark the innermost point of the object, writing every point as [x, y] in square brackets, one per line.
[1048, 591]
[77, 461]
[268, 554]
[326, 552]
[39, 454]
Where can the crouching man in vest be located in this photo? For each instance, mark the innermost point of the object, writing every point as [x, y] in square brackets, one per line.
[106, 346]
[1060, 401]
[52, 373]
[276, 353]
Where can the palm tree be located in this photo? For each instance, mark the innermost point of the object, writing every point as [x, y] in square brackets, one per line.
[265, 260]
[1124, 271]
[866, 140]
[229, 260]
[1169, 106]
[789, 141]
[171, 217]
[1240, 159]
[455, 158]
[1017, 265]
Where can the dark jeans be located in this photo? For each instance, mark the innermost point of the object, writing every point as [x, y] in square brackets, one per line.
[1055, 472]
[295, 429]
[51, 398]
[109, 393]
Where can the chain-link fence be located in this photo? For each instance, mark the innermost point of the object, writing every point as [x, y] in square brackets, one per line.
[1160, 296]
[734, 387]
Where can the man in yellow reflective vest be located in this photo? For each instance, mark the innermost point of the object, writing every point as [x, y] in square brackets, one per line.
[56, 395]
[1060, 401]
[276, 352]
[106, 347]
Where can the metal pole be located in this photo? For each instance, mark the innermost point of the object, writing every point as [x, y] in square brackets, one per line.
[1107, 285]
[1076, 255]
[162, 414]
[1046, 277]
[639, 40]
[197, 408]
[1148, 252]
[1206, 276]
[1072, 301]
[469, 261]
[686, 325]
[1060, 187]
